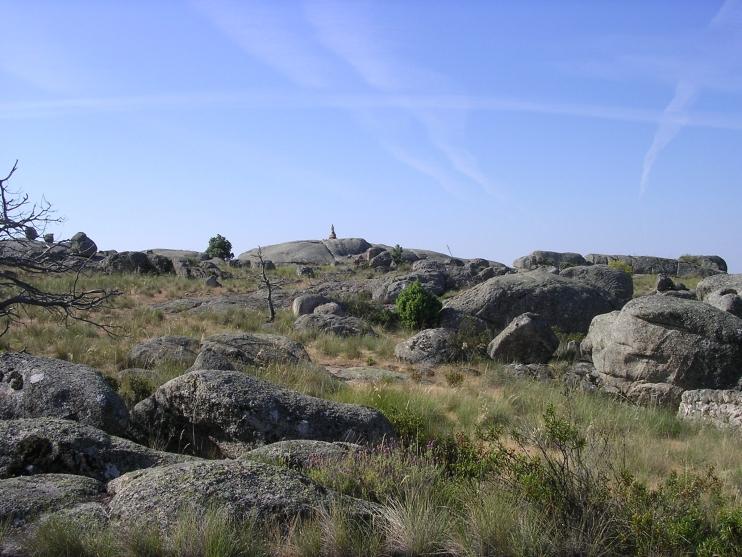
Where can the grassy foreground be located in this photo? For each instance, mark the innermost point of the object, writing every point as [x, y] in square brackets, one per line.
[489, 464]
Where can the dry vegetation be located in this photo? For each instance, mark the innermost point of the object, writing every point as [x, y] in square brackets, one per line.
[466, 480]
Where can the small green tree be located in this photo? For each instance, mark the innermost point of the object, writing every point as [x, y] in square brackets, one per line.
[418, 308]
[220, 248]
[396, 254]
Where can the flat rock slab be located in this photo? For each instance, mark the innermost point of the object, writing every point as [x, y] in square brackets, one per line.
[32, 387]
[52, 445]
[344, 326]
[366, 374]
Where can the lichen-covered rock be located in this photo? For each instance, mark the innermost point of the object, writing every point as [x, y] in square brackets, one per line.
[527, 339]
[428, 347]
[726, 300]
[344, 326]
[329, 308]
[26, 497]
[153, 352]
[429, 274]
[51, 445]
[207, 408]
[562, 302]
[719, 283]
[722, 408]
[236, 350]
[302, 453]
[658, 346]
[33, 387]
[241, 488]
[618, 284]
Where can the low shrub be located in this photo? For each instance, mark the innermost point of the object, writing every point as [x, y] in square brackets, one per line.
[621, 266]
[417, 308]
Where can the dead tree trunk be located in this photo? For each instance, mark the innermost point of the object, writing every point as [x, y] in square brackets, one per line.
[268, 286]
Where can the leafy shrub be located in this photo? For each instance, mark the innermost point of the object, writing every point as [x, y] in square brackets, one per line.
[621, 266]
[396, 253]
[220, 247]
[417, 308]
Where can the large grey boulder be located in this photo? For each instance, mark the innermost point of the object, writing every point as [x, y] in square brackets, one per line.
[27, 497]
[82, 246]
[241, 488]
[302, 453]
[428, 347]
[306, 303]
[722, 408]
[32, 387]
[618, 284]
[153, 352]
[344, 326]
[51, 445]
[658, 346]
[729, 301]
[249, 349]
[215, 410]
[527, 339]
[562, 302]
[548, 259]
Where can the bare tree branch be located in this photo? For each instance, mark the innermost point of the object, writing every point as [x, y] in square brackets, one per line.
[22, 260]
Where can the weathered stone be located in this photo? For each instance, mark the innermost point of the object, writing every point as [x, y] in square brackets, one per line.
[26, 497]
[306, 303]
[205, 408]
[304, 271]
[212, 282]
[562, 302]
[539, 372]
[658, 346]
[548, 259]
[241, 488]
[528, 339]
[344, 326]
[332, 308]
[722, 408]
[617, 283]
[381, 261]
[82, 246]
[726, 300]
[249, 349]
[51, 445]
[388, 290]
[137, 262]
[428, 347]
[157, 351]
[301, 453]
[664, 283]
[32, 387]
[722, 284]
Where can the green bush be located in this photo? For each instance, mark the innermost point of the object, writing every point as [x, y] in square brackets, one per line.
[621, 266]
[361, 306]
[220, 247]
[396, 254]
[417, 308]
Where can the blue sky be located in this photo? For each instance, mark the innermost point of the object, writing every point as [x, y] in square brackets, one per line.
[492, 128]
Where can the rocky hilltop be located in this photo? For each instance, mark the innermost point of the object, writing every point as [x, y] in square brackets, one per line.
[215, 418]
